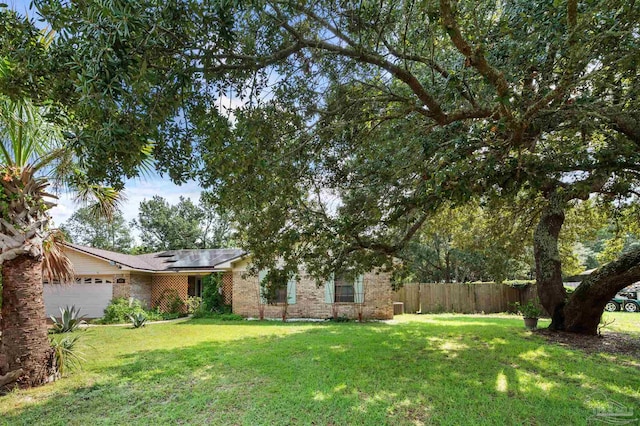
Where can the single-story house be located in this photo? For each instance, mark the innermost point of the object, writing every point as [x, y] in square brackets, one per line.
[157, 278]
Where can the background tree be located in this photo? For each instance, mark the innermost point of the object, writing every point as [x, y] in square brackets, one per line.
[87, 229]
[469, 243]
[380, 113]
[184, 225]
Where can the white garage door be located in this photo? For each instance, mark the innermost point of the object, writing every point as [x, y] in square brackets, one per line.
[90, 298]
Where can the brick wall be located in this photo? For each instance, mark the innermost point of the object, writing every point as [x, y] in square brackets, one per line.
[140, 288]
[121, 289]
[163, 286]
[310, 299]
[227, 288]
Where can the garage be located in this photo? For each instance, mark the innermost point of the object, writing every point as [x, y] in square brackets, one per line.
[91, 295]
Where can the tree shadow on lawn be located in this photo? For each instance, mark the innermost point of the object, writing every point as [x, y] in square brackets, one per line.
[349, 374]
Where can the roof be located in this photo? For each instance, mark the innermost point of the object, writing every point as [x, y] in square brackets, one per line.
[171, 260]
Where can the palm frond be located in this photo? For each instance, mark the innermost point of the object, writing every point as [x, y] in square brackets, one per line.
[56, 265]
[26, 136]
[103, 201]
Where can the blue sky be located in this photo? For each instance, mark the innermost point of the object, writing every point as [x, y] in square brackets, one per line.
[136, 190]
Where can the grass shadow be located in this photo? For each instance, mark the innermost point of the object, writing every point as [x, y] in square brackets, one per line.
[361, 374]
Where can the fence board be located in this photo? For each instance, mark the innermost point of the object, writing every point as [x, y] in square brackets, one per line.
[463, 298]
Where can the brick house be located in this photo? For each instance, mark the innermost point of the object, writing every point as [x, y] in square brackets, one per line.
[156, 278]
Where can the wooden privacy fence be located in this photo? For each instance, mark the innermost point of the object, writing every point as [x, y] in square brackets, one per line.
[462, 298]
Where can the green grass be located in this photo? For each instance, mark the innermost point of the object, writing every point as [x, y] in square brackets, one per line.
[428, 369]
[622, 322]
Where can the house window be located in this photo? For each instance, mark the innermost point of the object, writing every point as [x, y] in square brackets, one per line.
[283, 292]
[281, 295]
[97, 280]
[344, 290]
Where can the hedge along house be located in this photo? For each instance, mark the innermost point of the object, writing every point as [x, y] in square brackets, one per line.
[157, 278]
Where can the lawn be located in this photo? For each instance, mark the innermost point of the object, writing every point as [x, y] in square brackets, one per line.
[428, 369]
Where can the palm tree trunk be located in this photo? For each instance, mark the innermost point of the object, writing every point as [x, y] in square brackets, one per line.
[25, 344]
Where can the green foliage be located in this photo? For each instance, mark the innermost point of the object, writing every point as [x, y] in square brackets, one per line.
[120, 309]
[530, 309]
[85, 228]
[67, 355]
[224, 316]
[193, 304]
[346, 145]
[212, 300]
[173, 302]
[70, 320]
[274, 282]
[138, 319]
[470, 243]
[182, 226]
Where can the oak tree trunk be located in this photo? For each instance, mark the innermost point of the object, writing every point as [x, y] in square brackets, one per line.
[551, 290]
[584, 309]
[24, 344]
[581, 313]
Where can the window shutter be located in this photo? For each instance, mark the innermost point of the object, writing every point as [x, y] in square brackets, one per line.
[261, 276]
[329, 290]
[291, 290]
[358, 287]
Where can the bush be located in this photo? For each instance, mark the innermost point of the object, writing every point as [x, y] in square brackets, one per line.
[172, 300]
[120, 309]
[212, 300]
[202, 312]
[193, 304]
[70, 320]
[530, 309]
[66, 353]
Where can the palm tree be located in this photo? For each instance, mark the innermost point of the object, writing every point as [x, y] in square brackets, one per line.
[33, 154]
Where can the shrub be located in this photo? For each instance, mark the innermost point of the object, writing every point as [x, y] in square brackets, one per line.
[230, 317]
[70, 320]
[172, 300]
[529, 310]
[212, 300]
[66, 353]
[119, 310]
[193, 304]
[138, 320]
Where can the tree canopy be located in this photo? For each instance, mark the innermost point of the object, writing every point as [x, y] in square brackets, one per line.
[184, 225]
[358, 121]
[87, 229]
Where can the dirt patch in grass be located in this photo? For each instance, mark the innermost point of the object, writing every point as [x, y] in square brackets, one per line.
[610, 343]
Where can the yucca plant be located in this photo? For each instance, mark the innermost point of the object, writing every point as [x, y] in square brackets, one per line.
[70, 320]
[138, 319]
[66, 353]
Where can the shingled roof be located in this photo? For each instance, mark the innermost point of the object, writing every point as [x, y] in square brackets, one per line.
[171, 260]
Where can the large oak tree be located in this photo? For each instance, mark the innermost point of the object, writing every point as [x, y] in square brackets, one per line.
[359, 120]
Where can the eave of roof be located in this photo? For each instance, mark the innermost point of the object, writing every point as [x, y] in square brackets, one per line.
[159, 262]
